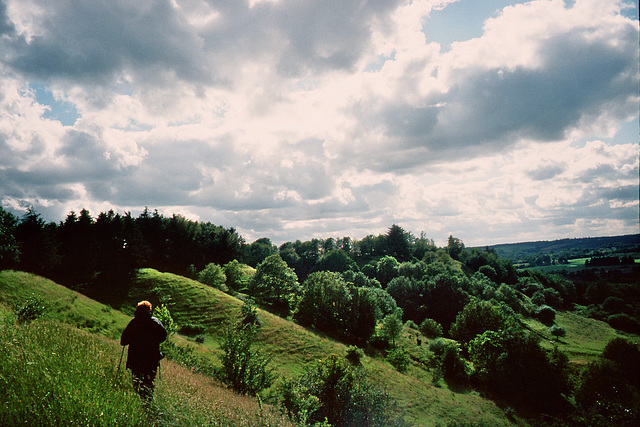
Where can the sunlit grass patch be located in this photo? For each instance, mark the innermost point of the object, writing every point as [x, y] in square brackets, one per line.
[53, 374]
[585, 338]
[185, 398]
[61, 303]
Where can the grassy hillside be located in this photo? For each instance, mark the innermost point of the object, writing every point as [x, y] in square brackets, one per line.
[185, 398]
[294, 347]
[52, 373]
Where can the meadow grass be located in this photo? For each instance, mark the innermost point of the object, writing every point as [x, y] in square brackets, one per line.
[62, 303]
[585, 338]
[55, 374]
[294, 349]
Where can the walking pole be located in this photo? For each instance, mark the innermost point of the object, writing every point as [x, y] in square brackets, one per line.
[121, 355]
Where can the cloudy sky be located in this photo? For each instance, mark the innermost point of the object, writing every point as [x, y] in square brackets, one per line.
[495, 121]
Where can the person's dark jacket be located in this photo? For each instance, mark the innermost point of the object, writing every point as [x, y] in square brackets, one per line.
[143, 335]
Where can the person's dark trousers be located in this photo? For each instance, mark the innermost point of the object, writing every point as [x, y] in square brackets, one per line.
[143, 382]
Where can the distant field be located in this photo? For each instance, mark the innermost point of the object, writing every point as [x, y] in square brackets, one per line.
[572, 265]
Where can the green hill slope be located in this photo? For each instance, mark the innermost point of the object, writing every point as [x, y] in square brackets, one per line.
[293, 346]
[52, 373]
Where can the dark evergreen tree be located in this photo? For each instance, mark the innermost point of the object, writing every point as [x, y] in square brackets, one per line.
[9, 252]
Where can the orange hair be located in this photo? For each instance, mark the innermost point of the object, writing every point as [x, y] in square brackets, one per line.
[145, 304]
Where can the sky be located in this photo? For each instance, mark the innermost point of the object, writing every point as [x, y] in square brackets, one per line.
[494, 121]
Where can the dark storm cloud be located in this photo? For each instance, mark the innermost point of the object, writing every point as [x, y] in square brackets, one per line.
[94, 40]
[579, 77]
[300, 37]
[6, 26]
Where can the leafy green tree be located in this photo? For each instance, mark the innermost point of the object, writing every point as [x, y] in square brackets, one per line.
[325, 303]
[609, 387]
[276, 285]
[336, 260]
[477, 317]
[408, 294]
[455, 247]
[387, 269]
[259, 250]
[422, 245]
[365, 312]
[430, 328]
[443, 298]
[384, 303]
[331, 305]
[238, 275]
[309, 253]
[510, 363]
[391, 326]
[288, 253]
[213, 275]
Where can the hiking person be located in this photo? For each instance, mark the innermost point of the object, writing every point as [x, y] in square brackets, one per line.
[144, 334]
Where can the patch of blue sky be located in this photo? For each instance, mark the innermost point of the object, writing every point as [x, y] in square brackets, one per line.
[630, 9]
[629, 133]
[377, 65]
[462, 20]
[62, 111]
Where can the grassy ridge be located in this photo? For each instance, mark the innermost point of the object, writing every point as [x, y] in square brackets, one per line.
[185, 398]
[55, 374]
[295, 348]
[62, 304]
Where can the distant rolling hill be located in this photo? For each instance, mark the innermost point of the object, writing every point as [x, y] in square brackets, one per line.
[517, 251]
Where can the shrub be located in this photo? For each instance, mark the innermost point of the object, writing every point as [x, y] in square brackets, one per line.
[538, 298]
[447, 361]
[512, 364]
[33, 308]
[626, 355]
[545, 314]
[244, 369]
[430, 328]
[192, 329]
[399, 359]
[162, 313]
[614, 305]
[334, 392]
[238, 275]
[557, 331]
[624, 322]
[214, 276]
[411, 325]
[354, 355]
[249, 313]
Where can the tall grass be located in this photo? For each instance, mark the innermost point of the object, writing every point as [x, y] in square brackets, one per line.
[54, 374]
